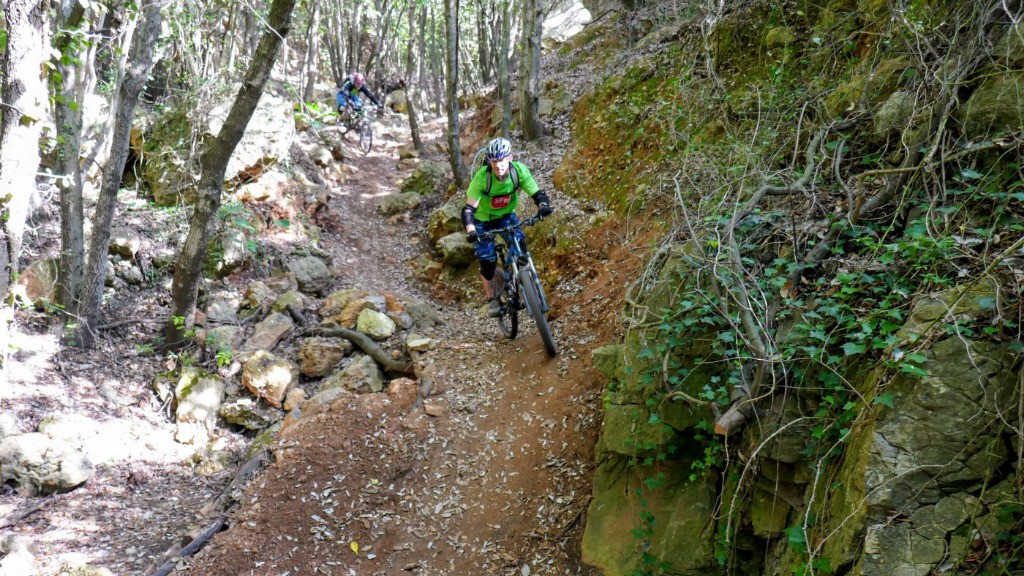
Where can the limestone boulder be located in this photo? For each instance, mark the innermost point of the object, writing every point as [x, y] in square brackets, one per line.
[350, 313]
[268, 135]
[249, 413]
[311, 273]
[628, 430]
[222, 339]
[37, 284]
[227, 253]
[198, 396]
[997, 105]
[18, 556]
[223, 309]
[37, 465]
[258, 296]
[447, 219]
[291, 299]
[408, 151]
[896, 113]
[319, 356]
[335, 302]
[428, 177]
[423, 315]
[455, 250]
[269, 332]
[269, 377]
[124, 243]
[376, 325]
[779, 37]
[323, 400]
[962, 303]
[915, 454]
[682, 510]
[609, 361]
[399, 202]
[398, 102]
[361, 375]
[418, 343]
[1011, 48]
[565, 20]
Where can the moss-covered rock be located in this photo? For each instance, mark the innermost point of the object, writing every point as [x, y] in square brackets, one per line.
[680, 510]
[629, 430]
[227, 253]
[996, 106]
[769, 514]
[1010, 48]
[399, 202]
[428, 177]
[964, 303]
[608, 360]
[455, 250]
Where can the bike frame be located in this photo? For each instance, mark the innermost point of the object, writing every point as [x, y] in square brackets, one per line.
[512, 260]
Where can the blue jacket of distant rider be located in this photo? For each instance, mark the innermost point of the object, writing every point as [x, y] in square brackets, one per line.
[349, 93]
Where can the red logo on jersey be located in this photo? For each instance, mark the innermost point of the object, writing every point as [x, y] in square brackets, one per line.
[499, 202]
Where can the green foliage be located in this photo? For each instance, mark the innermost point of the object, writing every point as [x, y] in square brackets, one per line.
[315, 114]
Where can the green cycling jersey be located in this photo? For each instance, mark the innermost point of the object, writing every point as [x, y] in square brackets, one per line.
[503, 197]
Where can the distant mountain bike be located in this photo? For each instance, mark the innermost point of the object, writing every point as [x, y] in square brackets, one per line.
[355, 118]
[517, 286]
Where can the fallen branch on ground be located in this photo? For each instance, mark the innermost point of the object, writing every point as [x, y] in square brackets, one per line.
[192, 547]
[366, 345]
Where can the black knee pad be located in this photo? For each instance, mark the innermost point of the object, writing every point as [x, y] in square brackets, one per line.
[487, 268]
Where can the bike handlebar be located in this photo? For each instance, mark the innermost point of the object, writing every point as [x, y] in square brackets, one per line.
[490, 234]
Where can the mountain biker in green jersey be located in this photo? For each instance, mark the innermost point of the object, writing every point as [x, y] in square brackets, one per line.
[491, 202]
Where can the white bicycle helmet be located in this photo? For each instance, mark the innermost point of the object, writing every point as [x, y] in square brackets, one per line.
[498, 148]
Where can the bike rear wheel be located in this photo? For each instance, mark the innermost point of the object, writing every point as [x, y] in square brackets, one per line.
[534, 294]
[365, 137]
[509, 319]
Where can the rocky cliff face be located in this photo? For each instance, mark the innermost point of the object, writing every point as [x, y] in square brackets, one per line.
[920, 484]
[820, 370]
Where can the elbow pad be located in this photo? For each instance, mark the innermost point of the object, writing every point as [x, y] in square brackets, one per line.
[467, 214]
[540, 198]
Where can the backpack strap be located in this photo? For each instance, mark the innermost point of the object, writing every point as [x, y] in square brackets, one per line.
[490, 176]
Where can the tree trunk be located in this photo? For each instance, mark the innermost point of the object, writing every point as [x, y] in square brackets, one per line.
[23, 97]
[421, 47]
[67, 120]
[383, 28]
[355, 39]
[335, 46]
[529, 80]
[140, 64]
[451, 9]
[504, 80]
[483, 44]
[435, 64]
[310, 67]
[410, 70]
[101, 150]
[213, 162]
[228, 59]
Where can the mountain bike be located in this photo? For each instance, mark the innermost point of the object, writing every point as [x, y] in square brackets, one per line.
[517, 285]
[355, 118]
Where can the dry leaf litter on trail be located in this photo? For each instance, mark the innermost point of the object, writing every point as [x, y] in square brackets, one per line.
[490, 477]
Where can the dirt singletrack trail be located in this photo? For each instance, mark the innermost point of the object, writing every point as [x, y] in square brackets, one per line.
[493, 477]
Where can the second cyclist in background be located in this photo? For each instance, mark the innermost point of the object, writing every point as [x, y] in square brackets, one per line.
[350, 90]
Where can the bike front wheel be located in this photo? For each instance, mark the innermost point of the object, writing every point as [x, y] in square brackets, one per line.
[365, 137]
[530, 284]
[509, 319]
